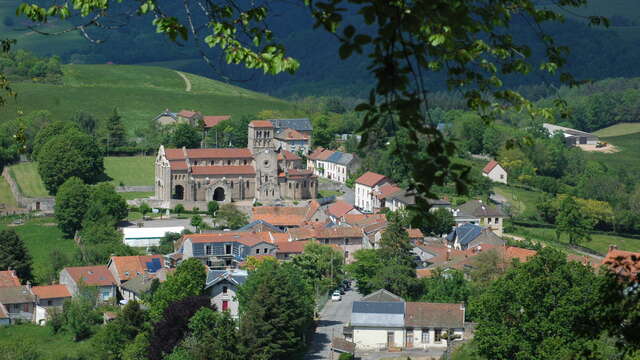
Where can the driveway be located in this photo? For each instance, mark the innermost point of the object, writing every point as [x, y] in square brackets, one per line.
[332, 319]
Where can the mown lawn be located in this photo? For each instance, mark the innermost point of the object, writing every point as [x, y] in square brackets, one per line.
[599, 242]
[41, 236]
[130, 170]
[28, 180]
[619, 130]
[523, 201]
[327, 193]
[626, 159]
[44, 342]
[6, 197]
[135, 195]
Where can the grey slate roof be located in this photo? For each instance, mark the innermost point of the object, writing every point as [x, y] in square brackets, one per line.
[238, 277]
[138, 285]
[370, 313]
[250, 226]
[480, 209]
[303, 124]
[465, 233]
[340, 158]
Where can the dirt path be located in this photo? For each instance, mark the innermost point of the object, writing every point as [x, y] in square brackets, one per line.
[187, 82]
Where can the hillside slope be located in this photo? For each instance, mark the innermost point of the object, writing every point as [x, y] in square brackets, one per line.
[139, 92]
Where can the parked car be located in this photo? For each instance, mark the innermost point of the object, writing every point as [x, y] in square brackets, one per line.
[336, 296]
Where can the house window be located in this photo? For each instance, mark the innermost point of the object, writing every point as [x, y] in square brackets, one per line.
[25, 307]
[227, 249]
[106, 294]
[225, 305]
[346, 241]
[224, 289]
[208, 250]
[437, 336]
[257, 251]
[49, 302]
[228, 162]
[209, 263]
[425, 336]
[501, 176]
[247, 182]
[496, 220]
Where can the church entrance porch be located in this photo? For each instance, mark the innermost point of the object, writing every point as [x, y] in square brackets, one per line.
[218, 194]
[178, 193]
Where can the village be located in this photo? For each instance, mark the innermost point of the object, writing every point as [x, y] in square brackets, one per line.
[275, 184]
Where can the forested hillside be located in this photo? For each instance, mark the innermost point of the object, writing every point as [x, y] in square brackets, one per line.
[596, 53]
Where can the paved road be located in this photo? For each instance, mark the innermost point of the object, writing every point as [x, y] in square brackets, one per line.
[332, 319]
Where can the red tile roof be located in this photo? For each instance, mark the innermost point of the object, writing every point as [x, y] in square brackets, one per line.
[421, 315]
[8, 278]
[314, 155]
[386, 190]
[291, 134]
[325, 154]
[415, 234]
[625, 263]
[178, 165]
[223, 170]
[216, 153]
[261, 123]
[297, 173]
[128, 267]
[512, 252]
[339, 209]
[492, 164]
[371, 179]
[280, 215]
[303, 233]
[98, 275]
[291, 247]
[288, 155]
[51, 291]
[187, 113]
[213, 120]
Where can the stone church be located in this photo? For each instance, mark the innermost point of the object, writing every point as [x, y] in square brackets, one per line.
[193, 177]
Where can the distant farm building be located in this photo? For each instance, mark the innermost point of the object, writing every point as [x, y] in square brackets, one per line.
[495, 172]
[572, 137]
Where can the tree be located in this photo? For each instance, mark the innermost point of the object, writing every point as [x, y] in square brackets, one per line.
[113, 337]
[188, 280]
[212, 335]
[179, 209]
[541, 309]
[113, 133]
[197, 222]
[79, 317]
[446, 287]
[145, 209]
[212, 207]
[172, 327]
[368, 262]
[276, 313]
[440, 222]
[71, 205]
[185, 135]
[71, 154]
[398, 279]
[231, 216]
[572, 221]
[50, 131]
[488, 266]
[321, 265]
[14, 255]
[86, 122]
[167, 242]
[105, 203]
[395, 245]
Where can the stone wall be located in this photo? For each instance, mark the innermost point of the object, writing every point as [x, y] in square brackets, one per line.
[44, 204]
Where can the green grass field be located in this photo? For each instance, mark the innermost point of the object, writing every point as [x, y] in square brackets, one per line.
[136, 195]
[619, 130]
[599, 243]
[130, 170]
[6, 197]
[28, 180]
[139, 92]
[626, 159]
[48, 345]
[523, 201]
[41, 236]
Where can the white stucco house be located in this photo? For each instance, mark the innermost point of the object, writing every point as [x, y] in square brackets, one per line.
[495, 172]
[384, 321]
[365, 189]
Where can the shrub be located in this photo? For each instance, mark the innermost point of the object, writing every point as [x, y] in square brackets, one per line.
[179, 209]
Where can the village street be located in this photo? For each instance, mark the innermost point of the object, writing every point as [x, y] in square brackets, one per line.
[332, 319]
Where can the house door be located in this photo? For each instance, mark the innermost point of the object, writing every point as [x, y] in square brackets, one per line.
[225, 305]
[391, 342]
[409, 339]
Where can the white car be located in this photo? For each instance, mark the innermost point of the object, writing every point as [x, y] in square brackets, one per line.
[336, 296]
